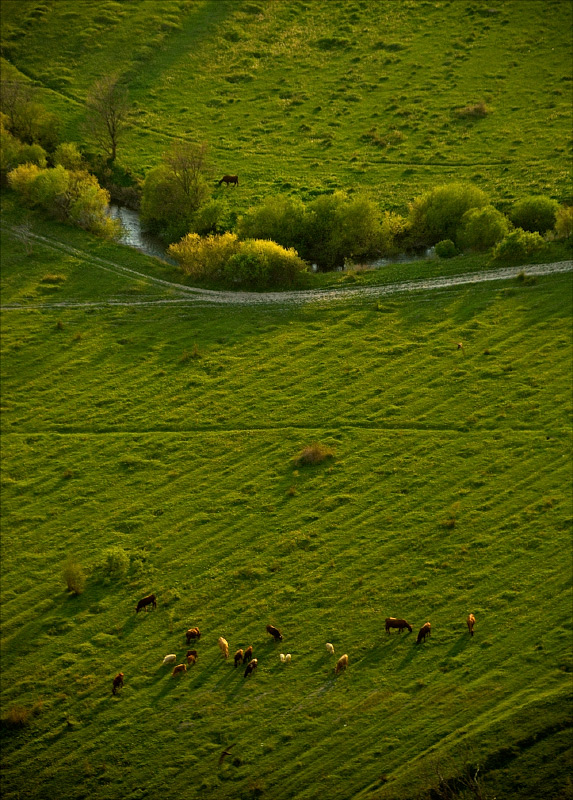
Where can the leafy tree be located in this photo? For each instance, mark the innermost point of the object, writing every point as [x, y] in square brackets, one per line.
[564, 222]
[174, 192]
[482, 228]
[437, 214]
[27, 119]
[68, 156]
[517, 245]
[107, 113]
[535, 213]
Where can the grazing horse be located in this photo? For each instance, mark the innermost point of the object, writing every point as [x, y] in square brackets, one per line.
[227, 179]
[275, 633]
[250, 667]
[342, 663]
[391, 622]
[180, 668]
[117, 682]
[146, 601]
[425, 630]
[248, 654]
[471, 621]
[239, 657]
[193, 633]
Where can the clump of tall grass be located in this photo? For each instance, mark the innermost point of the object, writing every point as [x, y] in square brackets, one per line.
[74, 576]
[475, 110]
[115, 561]
[314, 453]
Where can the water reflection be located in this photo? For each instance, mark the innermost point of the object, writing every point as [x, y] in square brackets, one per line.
[132, 234]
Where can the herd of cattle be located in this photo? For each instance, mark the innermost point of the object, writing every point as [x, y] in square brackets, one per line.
[245, 656]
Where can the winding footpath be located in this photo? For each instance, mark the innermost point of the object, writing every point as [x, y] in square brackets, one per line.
[185, 295]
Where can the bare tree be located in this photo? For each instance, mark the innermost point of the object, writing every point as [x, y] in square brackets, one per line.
[188, 165]
[108, 113]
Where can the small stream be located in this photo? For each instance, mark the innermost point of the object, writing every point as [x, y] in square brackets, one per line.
[133, 236]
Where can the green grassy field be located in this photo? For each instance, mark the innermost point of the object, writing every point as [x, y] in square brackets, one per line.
[171, 433]
[308, 97]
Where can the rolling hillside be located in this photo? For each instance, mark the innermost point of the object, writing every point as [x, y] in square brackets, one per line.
[171, 433]
[307, 97]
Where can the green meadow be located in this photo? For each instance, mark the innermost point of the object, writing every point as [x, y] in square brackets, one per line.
[305, 96]
[171, 433]
[150, 436]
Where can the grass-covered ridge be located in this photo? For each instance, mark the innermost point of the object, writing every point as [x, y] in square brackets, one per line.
[307, 97]
[172, 434]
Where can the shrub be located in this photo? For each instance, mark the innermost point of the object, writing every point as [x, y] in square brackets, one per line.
[313, 453]
[482, 228]
[68, 156]
[261, 263]
[13, 152]
[204, 257]
[70, 196]
[175, 191]
[115, 561]
[281, 219]
[473, 110]
[437, 214]
[16, 717]
[21, 180]
[74, 576]
[446, 249]
[517, 245]
[394, 229]
[564, 222]
[535, 213]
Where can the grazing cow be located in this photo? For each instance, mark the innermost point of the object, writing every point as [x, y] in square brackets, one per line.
[192, 653]
[251, 667]
[193, 633]
[191, 659]
[330, 648]
[425, 630]
[227, 179]
[287, 658]
[282, 658]
[248, 654]
[169, 659]
[117, 682]
[342, 663]
[224, 646]
[471, 620]
[239, 657]
[391, 622]
[146, 601]
[178, 669]
[274, 632]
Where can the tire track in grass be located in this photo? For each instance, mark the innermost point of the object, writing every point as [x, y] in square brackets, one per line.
[195, 294]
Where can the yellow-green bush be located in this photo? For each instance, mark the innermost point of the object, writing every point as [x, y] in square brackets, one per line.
[261, 264]
[204, 257]
[564, 222]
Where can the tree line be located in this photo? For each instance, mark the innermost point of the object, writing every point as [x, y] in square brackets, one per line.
[272, 243]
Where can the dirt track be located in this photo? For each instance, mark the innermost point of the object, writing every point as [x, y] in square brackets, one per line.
[190, 295]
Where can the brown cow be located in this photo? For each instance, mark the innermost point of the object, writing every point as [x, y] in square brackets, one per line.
[251, 667]
[392, 622]
[342, 663]
[146, 601]
[275, 633]
[191, 659]
[248, 654]
[193, 633]
[192, 653]
[178, 669]
[239, 657]
[117, 682]
[471, 621]
[425, 630]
